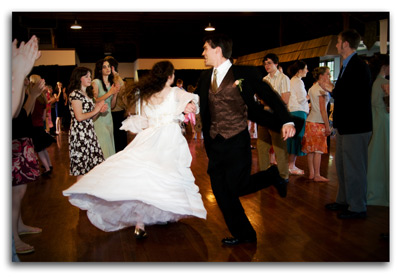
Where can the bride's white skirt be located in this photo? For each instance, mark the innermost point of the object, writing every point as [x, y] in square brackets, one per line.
[150, 181]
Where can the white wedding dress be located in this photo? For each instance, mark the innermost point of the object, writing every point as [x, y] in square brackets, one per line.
[150, 181]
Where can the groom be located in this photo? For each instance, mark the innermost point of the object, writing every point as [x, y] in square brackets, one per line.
[226, 103]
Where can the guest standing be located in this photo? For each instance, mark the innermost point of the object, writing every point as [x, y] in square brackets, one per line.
[352, 118]
[118, 112]
[378, 178]
[104, 89]
[84, 148]
[317, 123]
[59, 106]
[268, 138]
[298, 106]
[41, 139]
[25, 165]
[197, 133]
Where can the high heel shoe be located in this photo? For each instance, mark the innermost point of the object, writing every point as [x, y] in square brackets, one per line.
[139, 233]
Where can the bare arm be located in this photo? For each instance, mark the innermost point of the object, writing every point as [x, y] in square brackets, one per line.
[23, 59]
[112, 92]
[324, 114]
[35, 90]
[285, 97]
[80, 116]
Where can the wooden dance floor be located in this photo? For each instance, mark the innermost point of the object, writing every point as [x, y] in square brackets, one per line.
[292, 229]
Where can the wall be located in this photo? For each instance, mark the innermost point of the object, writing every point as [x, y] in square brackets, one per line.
[124, 69]
[65, 57]
[130, 70]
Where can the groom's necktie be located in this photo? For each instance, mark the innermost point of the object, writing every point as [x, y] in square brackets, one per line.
[214, 85]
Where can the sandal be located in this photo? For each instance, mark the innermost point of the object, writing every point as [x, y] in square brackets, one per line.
[24, 249]
[30, 232]
[296, 171]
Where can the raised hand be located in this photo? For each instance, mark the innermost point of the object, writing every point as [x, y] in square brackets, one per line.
[24, 57]
[37, 88]
[115, 88]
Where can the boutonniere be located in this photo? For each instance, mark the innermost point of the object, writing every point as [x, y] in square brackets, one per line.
[238, 83]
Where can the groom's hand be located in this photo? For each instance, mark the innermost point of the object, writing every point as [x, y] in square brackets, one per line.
[288, 131]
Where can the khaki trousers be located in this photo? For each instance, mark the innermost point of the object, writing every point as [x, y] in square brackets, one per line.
[266, 139]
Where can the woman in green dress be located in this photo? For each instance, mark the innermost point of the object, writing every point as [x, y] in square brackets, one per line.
[105, 89]
[378, 149]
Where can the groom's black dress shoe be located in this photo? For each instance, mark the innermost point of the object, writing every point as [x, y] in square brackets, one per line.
[352, 215]
[281, 187]
[236, 241]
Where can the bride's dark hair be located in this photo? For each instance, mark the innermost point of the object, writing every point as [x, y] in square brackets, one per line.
[150, 84]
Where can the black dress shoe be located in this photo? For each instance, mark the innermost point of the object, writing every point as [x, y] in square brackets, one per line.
[352, 215]
[281, 187]
[236, 241]
[336, 206]
[139, 233]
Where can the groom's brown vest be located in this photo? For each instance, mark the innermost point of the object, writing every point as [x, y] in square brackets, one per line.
[227, 108]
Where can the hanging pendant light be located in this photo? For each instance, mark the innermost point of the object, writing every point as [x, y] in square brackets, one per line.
[209, 27]
[76, 26]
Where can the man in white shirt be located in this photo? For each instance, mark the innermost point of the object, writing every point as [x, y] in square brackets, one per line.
[267, 137]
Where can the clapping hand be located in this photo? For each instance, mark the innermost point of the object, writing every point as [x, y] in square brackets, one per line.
[35, 89]
[101, 106]
[115, 88]
[24, 57]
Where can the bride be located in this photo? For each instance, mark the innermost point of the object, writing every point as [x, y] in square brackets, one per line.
[150, 181]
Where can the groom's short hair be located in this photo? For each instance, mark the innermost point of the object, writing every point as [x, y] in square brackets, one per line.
[221, 40]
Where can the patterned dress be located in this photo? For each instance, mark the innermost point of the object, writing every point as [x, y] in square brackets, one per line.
[84, 149]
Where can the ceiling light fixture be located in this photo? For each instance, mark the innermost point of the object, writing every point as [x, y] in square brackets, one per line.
[76, 26]
[210, 27]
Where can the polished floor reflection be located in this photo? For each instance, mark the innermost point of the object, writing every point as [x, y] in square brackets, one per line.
[294, 229]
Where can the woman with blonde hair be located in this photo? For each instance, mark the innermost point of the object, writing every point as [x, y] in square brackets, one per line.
[317, 123]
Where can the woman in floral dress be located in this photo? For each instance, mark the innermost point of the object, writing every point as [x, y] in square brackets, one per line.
[317, 129]
[84, 149]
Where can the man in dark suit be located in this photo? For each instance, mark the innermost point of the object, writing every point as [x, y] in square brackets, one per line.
[226, 103]
[352, 117]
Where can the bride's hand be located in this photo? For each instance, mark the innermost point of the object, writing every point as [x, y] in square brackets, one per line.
[190, 108]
